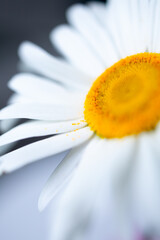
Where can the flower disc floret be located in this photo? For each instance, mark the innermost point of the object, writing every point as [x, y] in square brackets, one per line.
[125, 99]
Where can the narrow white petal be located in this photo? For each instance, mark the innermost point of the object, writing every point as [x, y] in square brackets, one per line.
[27, 83]
[123, 20]
[83, 19]
[154, 23]
[128, 25]
[39, 128]
[152, 16]
[145, 184]
[42, 149]
[41, 111]
[74, 47]
[104, 14]
[42, 62]
[110, 217]
[99, 9]
[139, 21]
[17, 98]
[103, 160]
[61, 174]
[111, 26]
[42, 90]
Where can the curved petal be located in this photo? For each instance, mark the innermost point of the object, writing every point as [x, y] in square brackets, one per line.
[104, 16]
[39, 128]
[60, 176]
[42, 62]
[72, 45]
[154, 22]
[128, 25]
[42, 90]
[151, 23]
[42, 149]
[139, 23]
[82, 18]
[102, 160]
[99, 9]
[41, 111]
[145, 185]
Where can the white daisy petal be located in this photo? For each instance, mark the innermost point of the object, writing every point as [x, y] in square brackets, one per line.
[151, 23]
[143, 15]
[21, 81]
[123, 22]
[60, 176]
[110, 217]
[46, 91]
[17, 98]
[117, 178]
[42, 149]
[154, 25]
[85, 22]
[42, 62]
[41, 111]
[39, 128]
[145, 185]
[76, 50]
[99, 9]
[129, 25]
[112, 29]
[101, 159]
[139, 23]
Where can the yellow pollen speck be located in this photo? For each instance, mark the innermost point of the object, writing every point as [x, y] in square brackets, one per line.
[56, 131]
[75, 123]
[125, 99]
[83, 121]
[73, 139]
[76, 130]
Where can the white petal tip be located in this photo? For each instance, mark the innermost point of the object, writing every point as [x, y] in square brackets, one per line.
[14, 79]
[24, 48]
[55, 34]
[24, 45]
[73, 10]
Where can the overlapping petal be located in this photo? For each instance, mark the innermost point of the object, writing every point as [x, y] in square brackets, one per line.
[43, 148]
[100, 163]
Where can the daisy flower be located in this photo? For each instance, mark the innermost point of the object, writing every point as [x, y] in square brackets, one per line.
[102, 101]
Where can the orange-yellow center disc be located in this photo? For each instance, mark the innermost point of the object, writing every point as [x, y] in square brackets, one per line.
[125, 99]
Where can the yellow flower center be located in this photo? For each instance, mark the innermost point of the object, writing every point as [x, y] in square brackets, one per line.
[125, 99]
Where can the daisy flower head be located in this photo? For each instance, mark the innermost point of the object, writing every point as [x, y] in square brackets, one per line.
[102, 101]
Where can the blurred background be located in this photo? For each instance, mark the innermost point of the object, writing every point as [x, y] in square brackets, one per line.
[25, 20]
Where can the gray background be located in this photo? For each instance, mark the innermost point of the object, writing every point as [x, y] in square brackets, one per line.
[25, 20]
